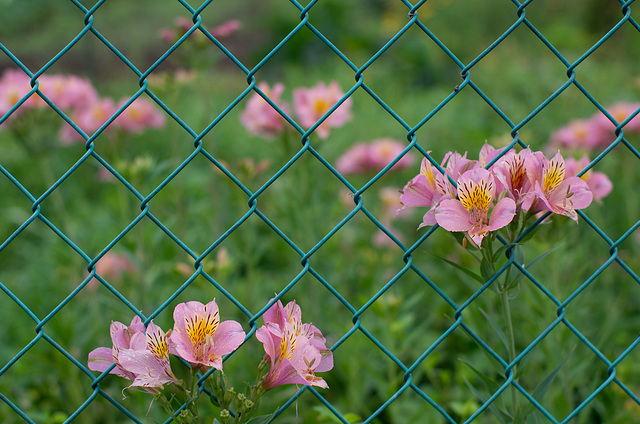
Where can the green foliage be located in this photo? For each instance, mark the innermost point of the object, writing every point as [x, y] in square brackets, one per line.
[252, 263]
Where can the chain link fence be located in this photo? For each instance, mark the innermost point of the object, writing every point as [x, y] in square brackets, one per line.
[401, 334]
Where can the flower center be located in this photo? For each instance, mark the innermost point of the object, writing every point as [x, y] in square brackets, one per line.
[553, 174]
[200, 327]
[320, 106]
[476, 197]
[517, 171]
[158, 344]
[288, 343]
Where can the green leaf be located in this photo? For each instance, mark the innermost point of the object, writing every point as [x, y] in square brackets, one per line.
[544, 385]
[502, 416]
[463, 269]
[262, 419]
[518, 275]
[518, 254]
[486, 270]
[492, 384]
[499, 332]
[498, 253]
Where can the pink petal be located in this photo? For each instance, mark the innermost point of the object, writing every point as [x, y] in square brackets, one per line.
[452, 216]
[275, 314]
[417, 193]
[182, 346]
[600, 185]
[581, 196]
[100, 359]
[268, 341]
[228, 337]
[502, 214]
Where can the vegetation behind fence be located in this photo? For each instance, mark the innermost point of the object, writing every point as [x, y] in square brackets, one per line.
[162, 153]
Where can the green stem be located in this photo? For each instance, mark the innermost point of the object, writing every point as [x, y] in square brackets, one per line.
[506, 310]
[193, 398]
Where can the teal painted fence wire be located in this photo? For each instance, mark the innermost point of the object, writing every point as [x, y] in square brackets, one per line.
[307, 148]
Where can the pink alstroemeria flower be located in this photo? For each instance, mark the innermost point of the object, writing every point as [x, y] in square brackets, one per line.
[148, 358]
[470, 212]
[510, 170]
[599, 184]
[89, 119]
[552, 191]
[14, 85]
[579, 134]
[605, 129]
[139, 115]
[103, 357]
[296, 350]
[312, 103]
[373, 156]
[200, 338]
[68, 92]
[430, 187]
[259, 117]
[423, 191]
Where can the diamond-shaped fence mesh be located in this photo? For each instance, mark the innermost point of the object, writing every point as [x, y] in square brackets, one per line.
[103, 219]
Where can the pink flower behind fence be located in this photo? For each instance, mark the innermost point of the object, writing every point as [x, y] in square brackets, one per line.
[296, 350]
[486, 200]
[373, 157]
[310, 104]
[474, 212]
[89, 119]
[200, 338]
[596, 132]
[259, 117]
[599, 184]
[139, 115]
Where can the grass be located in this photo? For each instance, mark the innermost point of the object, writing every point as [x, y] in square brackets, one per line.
[253, 262]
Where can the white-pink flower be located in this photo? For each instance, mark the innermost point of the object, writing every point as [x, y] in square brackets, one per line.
[68, 92]
[139, 115]
[296, 350]
[373, 156]
[552, 189]
[473, 211]
[89, 119]
[599, 184]
[148, 359]
[200, 338]
[311, 104]
[103, 357]
[262, 119]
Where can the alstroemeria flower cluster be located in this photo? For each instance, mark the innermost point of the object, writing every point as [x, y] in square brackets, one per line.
[485, 200]
[79, 99]
[309, 106]
[142, 354]
[295, 350]
[597, 131]
[373, 156]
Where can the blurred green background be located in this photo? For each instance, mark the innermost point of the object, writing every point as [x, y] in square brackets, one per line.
[200, 204]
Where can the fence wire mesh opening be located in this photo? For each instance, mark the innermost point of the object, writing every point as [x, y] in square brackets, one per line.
[154, 153]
